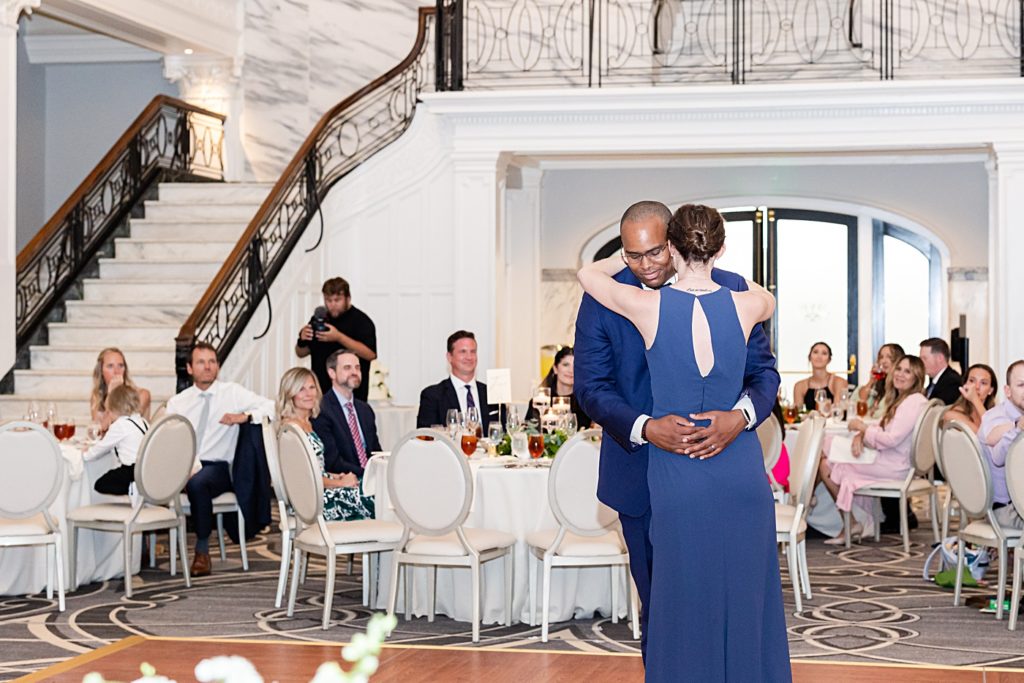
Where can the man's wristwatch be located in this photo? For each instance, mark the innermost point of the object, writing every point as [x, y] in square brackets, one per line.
[746, 415]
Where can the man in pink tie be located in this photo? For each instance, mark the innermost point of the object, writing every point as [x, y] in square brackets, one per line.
[346, 425]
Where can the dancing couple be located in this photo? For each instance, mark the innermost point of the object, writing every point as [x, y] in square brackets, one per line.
[672, 361]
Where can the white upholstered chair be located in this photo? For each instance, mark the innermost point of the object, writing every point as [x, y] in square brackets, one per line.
[769, 433]
[431, 489]
[791, 518]
[162, 468]
[587, 533]
[919, 480]
[284, 511]
[33, 472]
[1015, 483]
[967, 472]
[304, 489]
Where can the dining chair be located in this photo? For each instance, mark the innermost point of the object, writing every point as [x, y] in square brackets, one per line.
[1015, 483]
[225, 504]
[968, 474]
[587, 533]
[162, 468]
[791, 518]
[33, 473]
[304, 487]
[431, 490]
[769, 433]
[919, 480]
[286, 523]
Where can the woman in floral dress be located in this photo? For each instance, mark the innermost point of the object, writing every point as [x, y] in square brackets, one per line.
[298, 402]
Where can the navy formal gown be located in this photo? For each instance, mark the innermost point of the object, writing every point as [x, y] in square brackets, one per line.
[716, 609]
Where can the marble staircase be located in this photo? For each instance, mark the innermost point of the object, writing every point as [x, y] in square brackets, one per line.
[140, 299]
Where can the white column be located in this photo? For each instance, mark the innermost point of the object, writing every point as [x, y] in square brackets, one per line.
[10, 10]
[214, 83]
[1005, 246]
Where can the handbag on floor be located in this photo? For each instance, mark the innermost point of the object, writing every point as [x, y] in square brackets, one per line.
[976, 563]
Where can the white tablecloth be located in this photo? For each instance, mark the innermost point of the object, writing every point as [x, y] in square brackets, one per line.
[23, 570]
[393, 422]
[514, 501]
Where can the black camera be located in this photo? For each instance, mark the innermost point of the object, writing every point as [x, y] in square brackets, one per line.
[319, 320]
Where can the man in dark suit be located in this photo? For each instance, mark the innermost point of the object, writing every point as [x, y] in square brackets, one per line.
[345, 424]
[943, 381]
[459, 390]
[613, 385]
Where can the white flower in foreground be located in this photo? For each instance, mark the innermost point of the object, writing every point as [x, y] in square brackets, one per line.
[231, 669]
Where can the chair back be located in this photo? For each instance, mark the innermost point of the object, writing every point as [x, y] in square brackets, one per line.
[803, 461]
[1015, 472]
[572, 487]
[32, 467]
[925, 440]
[301, 478]
[273, 459]
[769, 433]
[429, 483]
[164, 463]
[966, 469]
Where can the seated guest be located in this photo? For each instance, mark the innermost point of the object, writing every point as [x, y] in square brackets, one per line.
[459, 390]
[124, 437]
[977, 395]
[346, 425]
[943, 381]
[560, 382]
[999, 427]
[834, 385]
[891, 437]
[877, 388]
[215, 410]
[298, 403]
[112, 370]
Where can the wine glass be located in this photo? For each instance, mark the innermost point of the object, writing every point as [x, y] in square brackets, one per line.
[473, 421]
[494, 432]
[454, 421]
[33, 412]
[536, 445]
[820, 398]
[571, 426]
[514, 419]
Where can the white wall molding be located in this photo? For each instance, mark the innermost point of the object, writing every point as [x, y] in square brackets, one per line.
[1006, 242]
[86, 48]
[11, 10]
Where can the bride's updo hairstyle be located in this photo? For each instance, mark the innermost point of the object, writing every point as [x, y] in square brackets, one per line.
[697, 232]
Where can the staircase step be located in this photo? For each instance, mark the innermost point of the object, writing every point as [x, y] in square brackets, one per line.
[101, 335]
[137, 269]
[228, 231]
[84, 357]
[246, 193]
[38, 383]
[135, 291]
[200, 211]
[115, 314]
[170, 249]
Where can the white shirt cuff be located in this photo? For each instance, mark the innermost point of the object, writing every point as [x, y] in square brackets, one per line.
[636, 434]
[746, 406]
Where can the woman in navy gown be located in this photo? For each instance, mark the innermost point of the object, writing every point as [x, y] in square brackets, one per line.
[716, 611]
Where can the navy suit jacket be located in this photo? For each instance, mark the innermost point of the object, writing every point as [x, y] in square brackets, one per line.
[331, 425]
[613, 385]
[437, 399]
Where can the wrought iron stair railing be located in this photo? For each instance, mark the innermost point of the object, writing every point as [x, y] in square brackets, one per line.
[169, 139]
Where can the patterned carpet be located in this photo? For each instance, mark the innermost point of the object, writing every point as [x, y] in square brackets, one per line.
[870, 605]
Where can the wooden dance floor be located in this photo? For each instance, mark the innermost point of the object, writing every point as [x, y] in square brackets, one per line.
[291, 661]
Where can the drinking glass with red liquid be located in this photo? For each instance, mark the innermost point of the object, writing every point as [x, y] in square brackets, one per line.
[536, 445]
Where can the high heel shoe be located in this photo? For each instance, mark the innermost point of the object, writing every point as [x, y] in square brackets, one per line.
[856, 532]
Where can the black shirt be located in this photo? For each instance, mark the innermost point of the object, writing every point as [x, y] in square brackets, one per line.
[353, 323]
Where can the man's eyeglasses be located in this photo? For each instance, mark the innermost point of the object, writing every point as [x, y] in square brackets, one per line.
[635, 259]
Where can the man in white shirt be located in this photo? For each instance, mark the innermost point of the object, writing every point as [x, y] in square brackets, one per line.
[215, 410]
[460, 390]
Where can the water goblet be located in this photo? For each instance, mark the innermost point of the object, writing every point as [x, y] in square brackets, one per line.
[454, 421]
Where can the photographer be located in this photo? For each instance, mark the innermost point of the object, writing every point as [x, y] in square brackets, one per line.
[336, 325]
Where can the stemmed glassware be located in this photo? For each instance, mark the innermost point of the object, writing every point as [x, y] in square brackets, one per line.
[453, 420]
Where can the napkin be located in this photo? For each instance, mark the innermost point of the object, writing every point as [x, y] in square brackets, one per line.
[841, 450]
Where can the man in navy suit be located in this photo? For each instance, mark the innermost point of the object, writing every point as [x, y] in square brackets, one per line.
[346, 425]
[460, 390]
[613, 385]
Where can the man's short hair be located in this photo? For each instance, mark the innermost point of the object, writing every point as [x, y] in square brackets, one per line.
[201, 345]
[644, 210]
[936, 345]
[337, 286]
[1009, 371]
[332, 360]
[456, 336]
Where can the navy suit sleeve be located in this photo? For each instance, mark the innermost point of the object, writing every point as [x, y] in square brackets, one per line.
[760, 377]
[370, 432]
[594, 383]
[428, 411]
[324, 428]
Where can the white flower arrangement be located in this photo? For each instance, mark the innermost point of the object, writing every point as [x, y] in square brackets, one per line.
[362, 653]
[379, 390]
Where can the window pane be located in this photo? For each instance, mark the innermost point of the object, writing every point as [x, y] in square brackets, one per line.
[812, 295]
[739, 248]
[906, 274]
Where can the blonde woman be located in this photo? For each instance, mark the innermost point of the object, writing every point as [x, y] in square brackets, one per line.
[111, 371]
[298, 402]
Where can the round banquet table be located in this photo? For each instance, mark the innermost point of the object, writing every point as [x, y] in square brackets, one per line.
[23, 570]
[514, 500]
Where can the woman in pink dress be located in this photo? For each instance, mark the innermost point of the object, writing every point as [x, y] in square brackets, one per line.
[891, 437]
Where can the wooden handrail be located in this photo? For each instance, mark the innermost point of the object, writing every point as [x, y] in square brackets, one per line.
[30, 250]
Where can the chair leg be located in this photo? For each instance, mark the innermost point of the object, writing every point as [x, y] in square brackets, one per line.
[350, 562]
[72, 556]
[127, 548]
[184, 557]
[846, 526]
[545, 604]
[615, 594]
[532, 562]
[48, 553]
[1001, 593]
[947, 511]
[305, 565]
[393, 586]
[933, 504]
[296, 564]
[374, 564]
[1018, 565]
[959, 570]
[241, 541]
[174, 552]
[332, 560]
[431, 594]
[58, 551]
[794, 572]
[805, 574]
[509, 570]
[282, 572]
[475, 572]
[152, 549]
[904, 525]
[408, 592]
[220, 537]
[634, 602]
